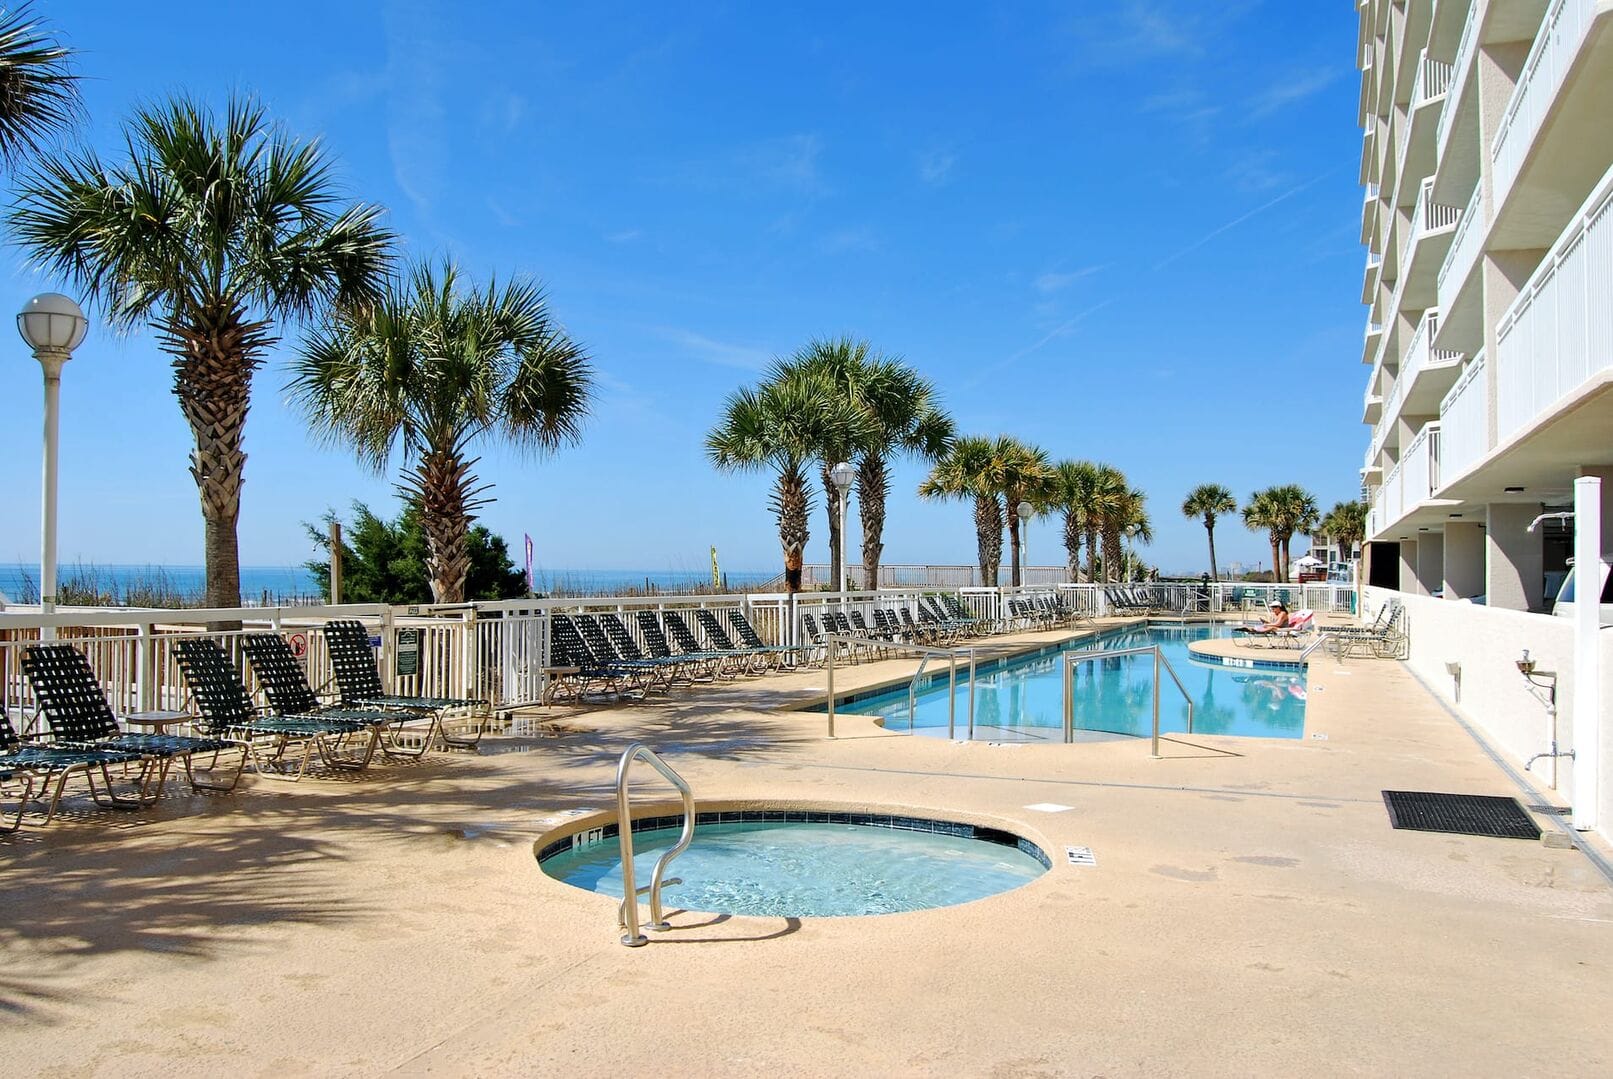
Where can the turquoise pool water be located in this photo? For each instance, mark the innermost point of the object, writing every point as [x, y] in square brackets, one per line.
[1021, 700]
[800, 869]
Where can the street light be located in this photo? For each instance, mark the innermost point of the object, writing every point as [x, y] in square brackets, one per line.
[53, 325]
[842, 475]
[1024, 509]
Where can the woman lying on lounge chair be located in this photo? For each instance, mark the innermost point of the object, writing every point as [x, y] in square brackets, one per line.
[1278, 620]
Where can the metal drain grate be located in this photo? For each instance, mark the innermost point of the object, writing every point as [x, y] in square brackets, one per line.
[1461, 814]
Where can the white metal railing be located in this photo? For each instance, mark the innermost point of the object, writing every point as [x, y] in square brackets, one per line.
[1073, 659]
[1389, 497]
[1464, 422]
[1459, 69]
[1466, 243]
[1421, 356]
[1559, 330]
[627, 915]
[1432, 215]
[1433, 79]
[1561, 33]
[1420, 475]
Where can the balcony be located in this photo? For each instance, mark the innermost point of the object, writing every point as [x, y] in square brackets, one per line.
[1558, 333]
[1457, 288]
[1411, 482]
[1370, 342]
[1464, 417]
[1371, 405]
[1456, 135]
[1580, 118]
[1369, 213]
[1417, 148]
[1369, 282]
[1426, 373]
[1427, 242]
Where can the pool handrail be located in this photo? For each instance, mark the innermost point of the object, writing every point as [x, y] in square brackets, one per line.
[624, 824]
[928, 652]
[1089, 654]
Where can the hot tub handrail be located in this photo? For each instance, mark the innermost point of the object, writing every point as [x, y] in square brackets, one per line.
[953, 655]
[624, 824]
[1087, 655]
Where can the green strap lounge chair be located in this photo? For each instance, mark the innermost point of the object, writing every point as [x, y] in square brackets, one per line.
[359, 681]
[70, 699]
[225, 709]
[28, 765]
[286, 687]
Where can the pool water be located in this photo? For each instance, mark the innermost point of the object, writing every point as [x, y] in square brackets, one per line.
[1021, 700]
[784, 869]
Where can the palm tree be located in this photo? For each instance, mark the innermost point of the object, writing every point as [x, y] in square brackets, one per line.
[783, 424]
[1026, 476]
[38, 88]
[1127, 518]
[210, 231]
[430, 369]
[1263, 510]
[1208, 500]
[1346, 525]
[1104, 500]
[970, 470]
[1296, 512]
[1072, 492]
[904, 417]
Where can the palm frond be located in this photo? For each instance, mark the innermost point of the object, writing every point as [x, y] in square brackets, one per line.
[39, 97]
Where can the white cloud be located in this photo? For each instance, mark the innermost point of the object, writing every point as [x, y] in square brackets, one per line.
[1051, 282]
[719, 353]
[936, 165]
[1291, 90]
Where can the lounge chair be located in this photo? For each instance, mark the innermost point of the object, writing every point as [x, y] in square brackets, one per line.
[670, 669]
[701, 664]
[1385, 638]
[70, 699]
[752, 660]
[722, 661]
[786, 653]
[27, 764]
[225, 710]
[1302, 624]
[359, 681]
[641, 671]
[289, 694]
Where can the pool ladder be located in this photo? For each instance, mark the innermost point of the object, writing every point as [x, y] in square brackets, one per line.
[1072, 659]
[627, 915]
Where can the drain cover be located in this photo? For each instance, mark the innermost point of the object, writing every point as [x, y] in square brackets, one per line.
[1460, 814]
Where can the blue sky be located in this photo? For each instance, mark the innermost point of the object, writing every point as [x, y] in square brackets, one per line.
[1125, 231]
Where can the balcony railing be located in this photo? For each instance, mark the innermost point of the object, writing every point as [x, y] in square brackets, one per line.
[1561, 33]
[1464, 418]
[1420, 475]
[1421, 355]
[1433, 79]
[1465, 246]
[1432, 215]
[1559, 331]
[1464, 59]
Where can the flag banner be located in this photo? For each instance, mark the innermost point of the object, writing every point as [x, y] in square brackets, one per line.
[716, 578]
[529, 585]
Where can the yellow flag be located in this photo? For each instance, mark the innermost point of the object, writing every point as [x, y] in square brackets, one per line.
[716, 578]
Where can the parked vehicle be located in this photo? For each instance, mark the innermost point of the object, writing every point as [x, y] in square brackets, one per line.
[1564, 607]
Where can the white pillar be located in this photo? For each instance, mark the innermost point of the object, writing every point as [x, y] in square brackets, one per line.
[1587, 651]
[51, 360]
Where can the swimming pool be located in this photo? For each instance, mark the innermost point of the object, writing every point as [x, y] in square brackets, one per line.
[808, 863]
[1020, 700]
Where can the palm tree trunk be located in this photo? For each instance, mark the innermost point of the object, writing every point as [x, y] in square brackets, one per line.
[214, 358]
[1013, 544]
[1092, 554]
[873, 484]
[989, 537]
[1276, 558]
[831, 499]
[1072, 546]
[1111, 554]
[1215, 575]
[1287, 555]
[444, 481]
[794, 511]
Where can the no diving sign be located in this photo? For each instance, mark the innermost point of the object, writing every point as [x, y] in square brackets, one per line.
[298, 643]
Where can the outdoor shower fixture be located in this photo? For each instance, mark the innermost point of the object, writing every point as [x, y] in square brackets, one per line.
[1454, 669]
[1564, 515]
[1546, 680]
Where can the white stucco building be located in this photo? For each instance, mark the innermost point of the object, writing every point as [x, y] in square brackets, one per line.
[1487, 164]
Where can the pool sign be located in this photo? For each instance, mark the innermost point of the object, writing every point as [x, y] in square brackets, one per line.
[408, 658]
[298, 643]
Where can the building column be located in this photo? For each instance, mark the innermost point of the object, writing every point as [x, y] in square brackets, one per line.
[1514, 566]
[1464, 560]
[1430, 562]
[1408, 569]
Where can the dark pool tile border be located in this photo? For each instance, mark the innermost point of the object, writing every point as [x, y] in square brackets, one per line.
[896, 822]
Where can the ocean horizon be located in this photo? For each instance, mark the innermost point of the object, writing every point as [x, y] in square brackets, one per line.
[19, 579]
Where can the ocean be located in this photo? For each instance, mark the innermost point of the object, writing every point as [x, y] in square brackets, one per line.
[19, 581]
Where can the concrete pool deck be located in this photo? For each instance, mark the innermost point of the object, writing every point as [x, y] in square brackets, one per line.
[1251, 912]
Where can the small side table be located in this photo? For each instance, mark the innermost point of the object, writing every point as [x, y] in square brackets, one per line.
[155, 722]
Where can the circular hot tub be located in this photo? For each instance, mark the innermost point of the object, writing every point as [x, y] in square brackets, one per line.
[804, 863]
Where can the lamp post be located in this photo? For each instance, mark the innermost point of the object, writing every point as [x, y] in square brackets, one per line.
[1024, 510]
[842, 475]
[53, 325]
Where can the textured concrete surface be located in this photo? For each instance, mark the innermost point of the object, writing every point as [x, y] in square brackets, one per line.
[1251, 912]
